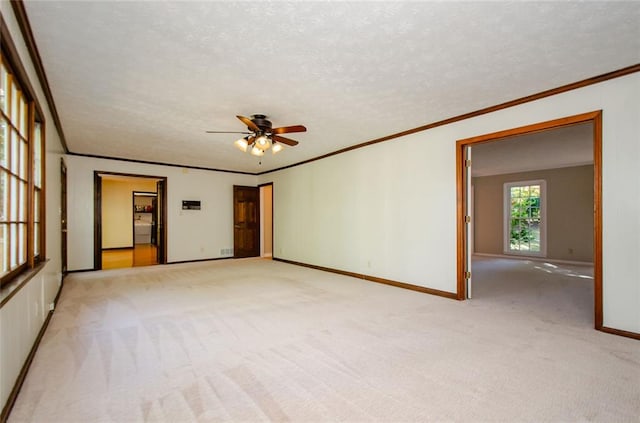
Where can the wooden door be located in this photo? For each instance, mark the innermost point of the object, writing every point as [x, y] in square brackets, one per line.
[63, 215]
[246, 221]
[154, 221]
[161, 222]
[468, 223]
[97, 221]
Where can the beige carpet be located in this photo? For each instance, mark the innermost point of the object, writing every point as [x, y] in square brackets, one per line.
[256, 340]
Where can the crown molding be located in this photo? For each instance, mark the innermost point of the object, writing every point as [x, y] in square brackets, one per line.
[533, 97]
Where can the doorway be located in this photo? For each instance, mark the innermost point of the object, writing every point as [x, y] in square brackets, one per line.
[266, 220]
[246, 221]
[130, 220]
[465, 221]
[145, 222]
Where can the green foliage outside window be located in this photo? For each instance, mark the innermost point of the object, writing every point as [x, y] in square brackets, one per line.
[525, 218]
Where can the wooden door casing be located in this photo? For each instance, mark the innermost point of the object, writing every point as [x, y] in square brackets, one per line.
[161, 234]
[246, 221]
[63, 216]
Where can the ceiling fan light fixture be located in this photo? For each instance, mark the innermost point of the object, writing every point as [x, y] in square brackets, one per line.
[263, 142]
[242, 144]
[262, 135]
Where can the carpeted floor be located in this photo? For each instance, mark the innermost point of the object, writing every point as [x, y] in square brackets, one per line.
[256, 340]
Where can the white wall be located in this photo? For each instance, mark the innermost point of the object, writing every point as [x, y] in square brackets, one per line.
[569, 211]
[23, 315]
[191, 234]
[389, 210]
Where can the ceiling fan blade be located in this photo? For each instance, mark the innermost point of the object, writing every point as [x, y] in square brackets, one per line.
[289, 129]
[249, 123]
[228, 132]
[284, 140]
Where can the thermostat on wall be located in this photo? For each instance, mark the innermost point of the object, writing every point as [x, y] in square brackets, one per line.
[190, 205]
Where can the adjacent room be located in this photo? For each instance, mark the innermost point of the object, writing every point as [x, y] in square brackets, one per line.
[533, 222]
[319, 211]
[128, 222]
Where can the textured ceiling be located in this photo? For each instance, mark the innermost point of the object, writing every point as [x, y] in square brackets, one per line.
[551, 149]
[144, 80]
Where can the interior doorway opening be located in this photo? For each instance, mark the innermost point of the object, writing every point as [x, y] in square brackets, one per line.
[130, 220]
[516, 239]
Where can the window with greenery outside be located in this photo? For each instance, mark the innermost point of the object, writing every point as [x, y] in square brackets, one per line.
[524, 218]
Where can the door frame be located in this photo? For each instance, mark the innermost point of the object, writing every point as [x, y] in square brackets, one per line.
[63, 218]
[595, 118]
[97, 214]
[261, 222]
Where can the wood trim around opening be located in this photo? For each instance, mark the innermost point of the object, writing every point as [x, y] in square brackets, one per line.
[97, 214]
[597, 220]
[596, 119]
[97, 221]
[266, 184]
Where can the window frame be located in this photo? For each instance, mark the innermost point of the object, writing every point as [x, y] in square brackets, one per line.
[507, 218]
[25, 125]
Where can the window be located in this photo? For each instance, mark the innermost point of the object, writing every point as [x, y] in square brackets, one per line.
[524, 214]
[21, 184]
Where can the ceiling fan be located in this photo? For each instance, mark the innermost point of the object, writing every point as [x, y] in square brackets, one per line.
[261, 136]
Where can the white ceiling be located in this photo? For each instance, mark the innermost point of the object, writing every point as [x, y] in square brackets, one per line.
[551, 149]
[144, 80]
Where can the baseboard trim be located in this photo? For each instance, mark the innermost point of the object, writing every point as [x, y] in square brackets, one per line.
[548, 260]
[118, 248]
[11, 400]
[620, 332]
[425, 290]
[80, 271]
[160, 264]
[199, 260]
